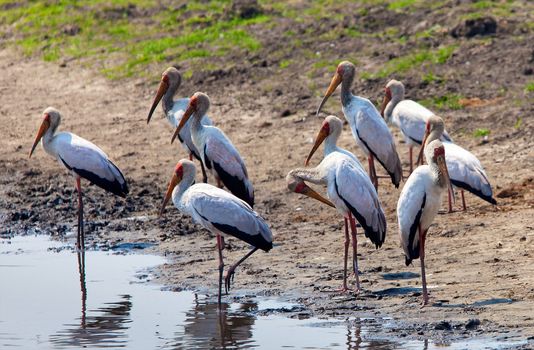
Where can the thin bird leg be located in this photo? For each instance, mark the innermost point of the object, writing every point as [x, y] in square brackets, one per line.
[372, 173]
[220, 245]
[83, 289]
[81, 236]
[344, 288]
[219, 183]
[231, 271]
[204, 175]
[450, 201]
[411, 158]
[463, 200]
[422, 236]
[354, 251]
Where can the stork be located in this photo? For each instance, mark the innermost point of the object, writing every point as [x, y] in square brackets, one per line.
[465, 170]
[82, 158]
[368, 128]
[216, 150]
[419, 203]
[174, 110]
[409, 116]
[218, 211]
[349, 190]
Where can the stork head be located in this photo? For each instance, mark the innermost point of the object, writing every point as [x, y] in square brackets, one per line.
[434, 128]
[184, 170]
[332, 125]
[51, 119]
[170, 81]
[198, 105]
[394, 89]
[435, 156]
[297, 185]
[345, 72]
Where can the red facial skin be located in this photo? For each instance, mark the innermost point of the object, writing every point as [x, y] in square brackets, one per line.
[388, 92]
[300, 187]
[440, 151]
[326, 128]
[179, 170]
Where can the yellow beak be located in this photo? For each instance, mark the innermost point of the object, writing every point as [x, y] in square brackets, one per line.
[308, 191]
[175, 180]
[336, 80]
[187, 114]
[44, 127]
[442, 165]
[323, 134]
[163, 86]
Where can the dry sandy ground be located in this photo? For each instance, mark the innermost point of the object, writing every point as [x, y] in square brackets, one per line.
[480, 255]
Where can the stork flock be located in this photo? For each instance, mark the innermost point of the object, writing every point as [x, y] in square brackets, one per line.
[349, 188]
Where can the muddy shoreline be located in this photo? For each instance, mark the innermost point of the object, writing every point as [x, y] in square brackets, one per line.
[479, 261]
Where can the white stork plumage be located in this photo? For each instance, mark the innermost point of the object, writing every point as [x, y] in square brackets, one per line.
[218, 211]
[174, 110]
[465, 170]
[82, 158]
[409, 116]
[348, 187]
[218, 153]
[419, 203]
[368, 128]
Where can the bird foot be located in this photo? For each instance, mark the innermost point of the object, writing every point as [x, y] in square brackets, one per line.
[229, 279]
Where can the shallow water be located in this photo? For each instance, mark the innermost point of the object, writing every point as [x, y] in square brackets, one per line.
[44, 303]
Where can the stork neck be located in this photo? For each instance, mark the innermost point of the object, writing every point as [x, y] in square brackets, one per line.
[167, 101]
[330, 143]
[48, 138]
[312, 175]
[437, 176]
[388, 112]
[196, 125]
[435, 134]
[178, 192]
[346, 83]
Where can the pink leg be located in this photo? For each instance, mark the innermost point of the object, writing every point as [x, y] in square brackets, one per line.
[220, 247]
[411, 159]
[463, 200]
[231, 271]
[81, 236]
[219, 183]
[450, 201]
[354, 251]
[422, 237]
[344, 288]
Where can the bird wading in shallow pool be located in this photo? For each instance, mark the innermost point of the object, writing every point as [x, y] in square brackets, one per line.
[218, 153]
[368, 127]
[218, 211]
[174, 110]
[349, 190]
[419, 203]
[409, 116]
[465, 169]
[82, 158]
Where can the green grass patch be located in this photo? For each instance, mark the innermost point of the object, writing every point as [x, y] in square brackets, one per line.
[529, 87]
[396, 5]
[448, 101]
[482, 132]
[518, 123]
[284, 64]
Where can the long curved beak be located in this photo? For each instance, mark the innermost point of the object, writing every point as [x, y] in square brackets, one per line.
[442, 165]
[175, 180]
[387, 98]
[308, 191]
[163, 86]
[44, 127]
[336, 80]
[422, 149]
[187, 114]
[323, 134]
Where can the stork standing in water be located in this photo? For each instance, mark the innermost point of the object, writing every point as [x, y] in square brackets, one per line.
[464, 168]
[174, 110]
[82, 158]
[216, 150]
[348, 187]
[419, 203]
[368, 128]
[409, 116]
[219, 212]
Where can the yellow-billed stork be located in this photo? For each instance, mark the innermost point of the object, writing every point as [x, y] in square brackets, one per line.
[368, 128]
[218, 211]
[218, 153]
[82, 158]
[349, 190]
